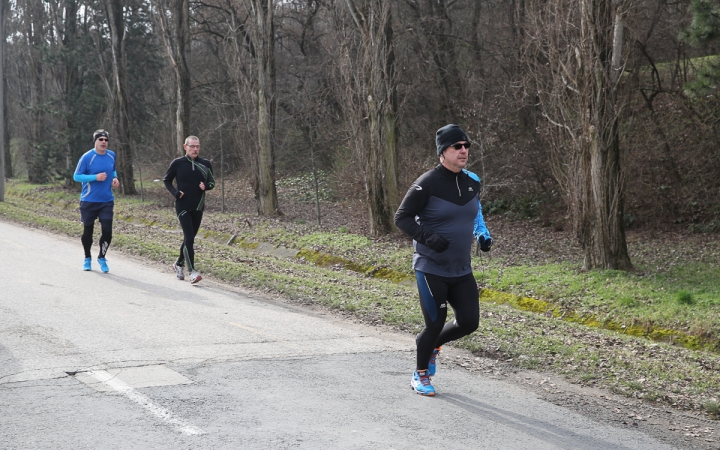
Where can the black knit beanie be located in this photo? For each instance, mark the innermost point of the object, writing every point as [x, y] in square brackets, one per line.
[447, 136]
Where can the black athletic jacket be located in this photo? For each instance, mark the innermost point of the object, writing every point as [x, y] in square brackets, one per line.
[189, 173]
[441, 202]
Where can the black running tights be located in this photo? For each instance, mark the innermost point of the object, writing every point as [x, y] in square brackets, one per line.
[105, 237]
[190, 223]
[435, 294]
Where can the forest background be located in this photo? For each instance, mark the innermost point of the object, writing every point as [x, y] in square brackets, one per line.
[352, 91]
[588, 118]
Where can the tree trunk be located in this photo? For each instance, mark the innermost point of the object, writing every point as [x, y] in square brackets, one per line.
[390, 113]
[2, 103]
[122, 148]
[575, 57]
[182, 118]
[264, 44]
[442, 42]
[600, 209]
[433, 18]
[72, 85]
[376, 195]
[177, 47]
[5, 136]
[36, 163]
[374, 22]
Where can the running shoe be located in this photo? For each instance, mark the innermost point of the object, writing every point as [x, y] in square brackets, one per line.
[432, 368]
[179, 271]
[195, 277]
[87, 265]
[420, 383]
[103, 265]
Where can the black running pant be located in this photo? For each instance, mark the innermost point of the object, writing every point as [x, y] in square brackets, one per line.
[436, 292]
[190, 223]
[105, 237]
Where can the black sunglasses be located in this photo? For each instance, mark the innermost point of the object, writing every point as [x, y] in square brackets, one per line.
[459, 146]
[102, 139]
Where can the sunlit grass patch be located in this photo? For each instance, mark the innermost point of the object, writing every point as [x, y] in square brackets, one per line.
[681, 296]
[560, 319]
[713, 407]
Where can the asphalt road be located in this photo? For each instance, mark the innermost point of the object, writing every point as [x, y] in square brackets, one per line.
[137, 359]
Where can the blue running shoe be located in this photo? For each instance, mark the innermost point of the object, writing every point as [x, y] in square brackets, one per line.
[87, 264]
[420, 382]
[103, 265]
[432, 368]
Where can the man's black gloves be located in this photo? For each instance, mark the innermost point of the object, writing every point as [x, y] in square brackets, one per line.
[437, 243]
[485, 244]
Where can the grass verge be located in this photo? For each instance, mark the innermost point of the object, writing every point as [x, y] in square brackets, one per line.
[533, 339]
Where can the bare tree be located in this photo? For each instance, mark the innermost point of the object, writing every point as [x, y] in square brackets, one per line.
[8, 162]
[177, 45]
[2, 103]
[262, 34]
[114, 9]
[71, 85]
[373, 115]
[35, 25]
[577, 70]
[434, 22]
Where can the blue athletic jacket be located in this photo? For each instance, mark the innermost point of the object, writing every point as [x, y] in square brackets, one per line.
[90, 164]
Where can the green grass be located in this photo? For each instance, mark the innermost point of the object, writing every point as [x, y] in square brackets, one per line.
[675, 297]
[713, 407]
[685, 297]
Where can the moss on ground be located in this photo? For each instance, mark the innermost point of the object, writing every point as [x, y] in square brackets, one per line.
[588, 347]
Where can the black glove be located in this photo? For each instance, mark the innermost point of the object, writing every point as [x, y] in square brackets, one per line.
[485, 244]
[437, 243]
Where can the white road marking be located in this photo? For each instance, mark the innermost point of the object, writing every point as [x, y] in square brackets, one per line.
[158, 411]
[136, 377]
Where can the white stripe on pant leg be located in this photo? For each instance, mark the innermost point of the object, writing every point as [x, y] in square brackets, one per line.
[158, 411]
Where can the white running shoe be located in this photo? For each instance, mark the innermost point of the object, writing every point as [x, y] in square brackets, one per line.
[179, 271]
[195, 277]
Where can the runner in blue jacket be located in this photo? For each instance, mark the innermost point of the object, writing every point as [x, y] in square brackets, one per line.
[97, 172]
[442, 213]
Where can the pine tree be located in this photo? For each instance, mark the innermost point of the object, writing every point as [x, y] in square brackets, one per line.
[704, 31]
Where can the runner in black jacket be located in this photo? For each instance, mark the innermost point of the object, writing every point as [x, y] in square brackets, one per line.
[194, 177]
[441, 212]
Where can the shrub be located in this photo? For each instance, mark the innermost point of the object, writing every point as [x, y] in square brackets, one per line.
[685, 298]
